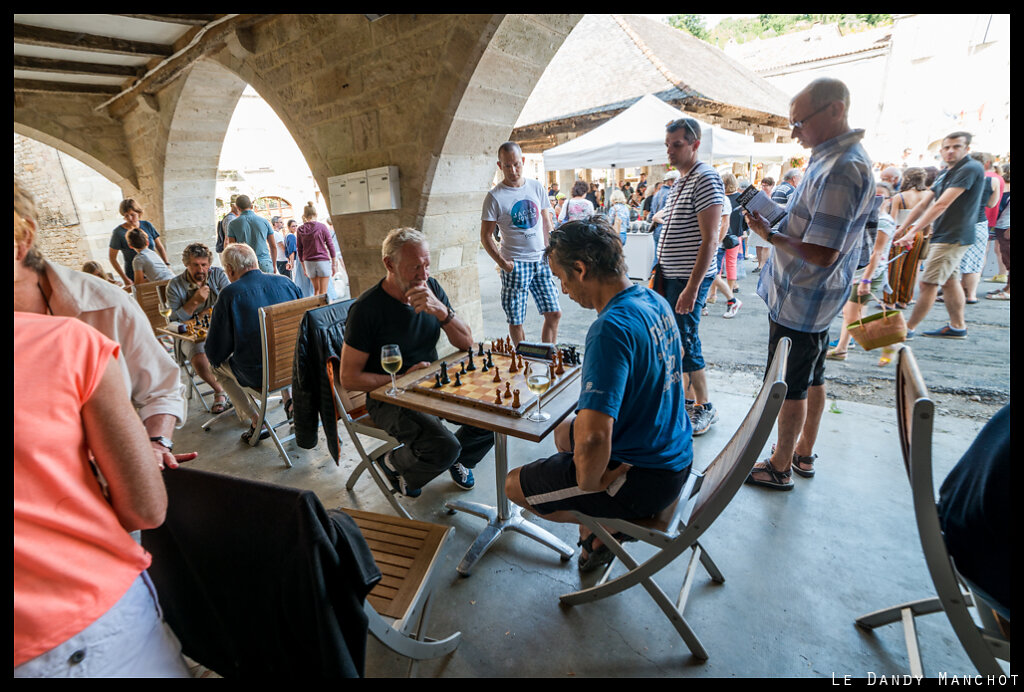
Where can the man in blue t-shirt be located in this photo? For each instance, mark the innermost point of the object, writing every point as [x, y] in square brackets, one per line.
[627, 451]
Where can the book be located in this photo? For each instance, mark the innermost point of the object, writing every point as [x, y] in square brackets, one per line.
[754, 199]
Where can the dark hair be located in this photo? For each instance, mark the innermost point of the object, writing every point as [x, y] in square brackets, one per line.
[960, 133]
[580, 188]
[591, 241]
[128, 205]
[930, 174]
[138, 239]
[195, 251]
[689, 126]
[243, 202]
[768, 181]
[913, 179]
[1006, 172]
[511, 147]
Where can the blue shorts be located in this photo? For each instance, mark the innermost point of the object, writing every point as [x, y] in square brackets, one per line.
[535, 277]
[693, 357]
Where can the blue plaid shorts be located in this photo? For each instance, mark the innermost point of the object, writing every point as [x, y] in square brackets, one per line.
[535, 277]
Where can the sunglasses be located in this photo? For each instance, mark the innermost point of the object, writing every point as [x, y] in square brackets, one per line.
[689, 124]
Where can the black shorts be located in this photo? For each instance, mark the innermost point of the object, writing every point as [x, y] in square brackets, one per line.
[806, 365]
[549, 485]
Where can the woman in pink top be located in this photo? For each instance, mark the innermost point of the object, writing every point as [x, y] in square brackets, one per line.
[83, 605]
[315, 245]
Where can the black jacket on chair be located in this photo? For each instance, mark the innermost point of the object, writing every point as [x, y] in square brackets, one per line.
[258, 580]
[321, 335]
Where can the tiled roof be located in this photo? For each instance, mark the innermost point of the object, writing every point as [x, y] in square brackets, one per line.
[820, 42]
[609, 61]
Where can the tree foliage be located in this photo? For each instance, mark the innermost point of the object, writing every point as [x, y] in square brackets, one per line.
[743, 29]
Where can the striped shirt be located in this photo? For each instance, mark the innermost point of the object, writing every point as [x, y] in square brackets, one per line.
[829, 208]
[680, 234]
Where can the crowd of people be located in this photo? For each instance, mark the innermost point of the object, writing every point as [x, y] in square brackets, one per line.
[626, 450]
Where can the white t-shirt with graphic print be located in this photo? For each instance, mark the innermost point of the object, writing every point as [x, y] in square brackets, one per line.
[518, 211]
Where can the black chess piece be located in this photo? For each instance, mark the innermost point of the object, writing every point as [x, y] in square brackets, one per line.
[462, 369]
[458, 380]
[444, 373]
[490, 360]
[437, 380]
[481, 351]
[472, 366]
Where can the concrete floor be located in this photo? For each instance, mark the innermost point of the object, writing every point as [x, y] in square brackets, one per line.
[799, 566]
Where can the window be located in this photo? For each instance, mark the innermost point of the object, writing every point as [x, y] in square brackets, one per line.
[269, 207]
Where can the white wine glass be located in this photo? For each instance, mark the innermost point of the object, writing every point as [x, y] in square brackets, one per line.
[391, 361]
[538, 380]
[163, 306]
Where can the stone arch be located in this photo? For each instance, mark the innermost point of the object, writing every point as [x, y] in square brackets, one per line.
[201, 116]
[502, 80]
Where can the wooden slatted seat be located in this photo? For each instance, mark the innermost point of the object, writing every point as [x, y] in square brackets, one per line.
[407, 552]
[148, 297]
[279, 331]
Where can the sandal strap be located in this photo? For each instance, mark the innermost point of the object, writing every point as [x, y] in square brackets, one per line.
[777, 476]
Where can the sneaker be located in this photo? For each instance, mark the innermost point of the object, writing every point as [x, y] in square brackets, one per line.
[702, 417]
[462, 476]
[396, 479]
[910, 335]
[755, 270]
[947, 332]
[733, 308]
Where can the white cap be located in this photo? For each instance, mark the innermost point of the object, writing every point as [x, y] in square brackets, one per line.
[671, 175]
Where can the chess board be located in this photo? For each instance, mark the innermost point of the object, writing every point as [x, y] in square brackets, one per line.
[479, 389]
[199, 325]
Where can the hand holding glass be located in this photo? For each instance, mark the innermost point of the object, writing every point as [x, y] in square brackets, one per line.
[391, 361]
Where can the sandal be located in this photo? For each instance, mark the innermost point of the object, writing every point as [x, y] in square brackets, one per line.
[780, 480]
[288, 405]
[600, 556]
[807, 470]
[997, 295]
[220, 403]
[835, 354]
[247, 435]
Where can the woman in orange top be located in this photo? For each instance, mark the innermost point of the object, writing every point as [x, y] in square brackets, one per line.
[83, 605]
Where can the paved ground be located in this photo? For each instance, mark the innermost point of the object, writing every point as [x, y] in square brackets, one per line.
[969, 378]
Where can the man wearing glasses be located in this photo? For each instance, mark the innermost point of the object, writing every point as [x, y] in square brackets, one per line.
[686, 252]
[815, 249]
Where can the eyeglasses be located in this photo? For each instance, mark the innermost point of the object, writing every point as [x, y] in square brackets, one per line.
[673, 125]
[801, 123]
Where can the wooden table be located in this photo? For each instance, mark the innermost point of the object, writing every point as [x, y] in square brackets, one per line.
[559, 401]
[166, 331]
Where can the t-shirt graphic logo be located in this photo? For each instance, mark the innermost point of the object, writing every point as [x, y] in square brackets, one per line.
[524, 214]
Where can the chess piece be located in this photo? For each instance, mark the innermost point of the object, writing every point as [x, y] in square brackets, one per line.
[444, 373]
[481, 351]
[462, 368]
[472, 366]
[512, 367]
[437, 380]
[515, 398]
[490, 360]
[458, 380]
[483, 366]
[497, 399]
[559, 368]
[497, 376]
[508, 390]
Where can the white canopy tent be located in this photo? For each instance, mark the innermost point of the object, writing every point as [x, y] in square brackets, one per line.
[636, 137]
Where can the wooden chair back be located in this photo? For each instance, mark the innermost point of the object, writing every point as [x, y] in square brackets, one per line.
[148, 297]
[279, 331]
[915, 418]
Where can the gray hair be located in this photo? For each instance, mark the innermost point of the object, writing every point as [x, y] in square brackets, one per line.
[397, 238]
[825, 90]
[239, 258]
[791, 173]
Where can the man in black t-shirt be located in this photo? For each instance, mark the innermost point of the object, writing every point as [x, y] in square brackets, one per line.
[409, 308]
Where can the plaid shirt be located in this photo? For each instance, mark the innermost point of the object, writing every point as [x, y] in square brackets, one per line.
[829, 208]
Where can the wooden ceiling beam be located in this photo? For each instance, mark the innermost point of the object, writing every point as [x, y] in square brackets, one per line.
[74, 40]
[22, 62]
[43, 85]
[186, 19]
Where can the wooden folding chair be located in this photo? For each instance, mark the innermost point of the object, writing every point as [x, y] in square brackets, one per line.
[703, 497]
[984, 644]
[350, 408]
[148, 297]
[406, 552]
[279, 331]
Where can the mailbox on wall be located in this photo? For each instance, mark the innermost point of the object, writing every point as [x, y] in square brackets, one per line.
[362, 191]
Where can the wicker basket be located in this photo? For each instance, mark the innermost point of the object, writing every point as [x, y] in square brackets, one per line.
[880, 329]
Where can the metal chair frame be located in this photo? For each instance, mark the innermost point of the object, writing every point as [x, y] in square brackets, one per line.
[703, 498]
[915, 414]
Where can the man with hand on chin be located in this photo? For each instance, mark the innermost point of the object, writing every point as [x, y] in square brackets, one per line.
[409, 308]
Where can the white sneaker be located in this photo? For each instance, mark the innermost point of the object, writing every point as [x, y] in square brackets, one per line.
[733, 308]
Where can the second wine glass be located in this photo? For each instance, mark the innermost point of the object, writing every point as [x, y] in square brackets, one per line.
[391, 361]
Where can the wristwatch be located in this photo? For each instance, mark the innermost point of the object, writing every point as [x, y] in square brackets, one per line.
[770, 236]
[449, 318]
[164, 442]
